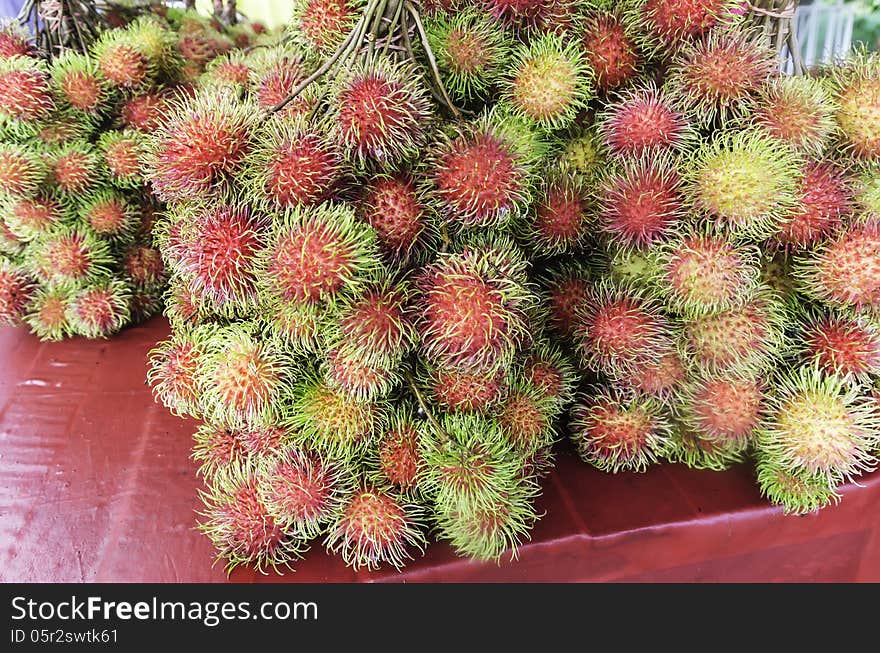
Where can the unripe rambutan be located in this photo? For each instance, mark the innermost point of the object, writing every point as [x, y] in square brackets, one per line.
[21, 170]
[560, 217]
[840, 343]
[79, 84]
[717, 76]
[292, 164]
[640, 201]
[613, 433]
[564, 290]
[526, 417]
[143, 266]
[173, 374]
[703, 274]
[867, 188]
[123, 154]
[240, 525]
[818, 425]
[644, 120]
[797, 110]
[825, 201]
[298, 326]
[379, 113]
[304, 491]
[549, 82]
[483, 171]
[726, 408]
[699, 452]
[15, 41]
[68, 254]
[745, 182]
[398, 454]
[323, 24]
[617, 331]
[360, 378]
[776, 272]
[632, 268]
[145, 111]
[63, 127]
[201, 146]
[398, 211]
[610, 49]
[242, 378]
[158, 44]
[219, 260]
[16, 290]
[797, 493]
[472, 314]
[471, 49]
[24, 89]
[314, 253]
[29, 218]
[549, 371]
[657, 378]
[47, 312]
[857, 95]
[672, 21]
[845, 271]
[120, 60]
[745, 338]
[330, 421]
[376, 527]
[99, 309]
[75, 168]
[582, 153]
[109, 215]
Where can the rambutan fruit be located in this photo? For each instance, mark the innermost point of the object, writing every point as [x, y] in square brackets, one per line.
[109, 215]
[825, 201]
[304, 491]
[47, 312]
[471, 49]
[330, 421]
[618, 330]
[231, 70]
[726, 408]
[292, 164]
[398, 455]
[672, 21]
[145, 111]
[582, 153]
[201, 146]
[25, 92]
[75, 168]
[15, 40]
[314, 253]
[28, 218]
[561, 216]
[16, 290]
[658, 378]
[123, 154]
[120, 60]
[360, 378]
[526, 416]
[79, 83]
[699, 452]
[183, 305]
[219, 260]
[611, 50]
[463, 391]
[565, 289]
[379, 113]
[717, 77]
[549, 82]
[275, 73]
[483, 171]
[69, 254]
[173, 374]
[398, 210]
[322, 25]
[144, 302]
[845, 270]
[216, 449]
[10, 244]
[240, 526]
[21, 170]
[549, 371]
[818, 425]
[797, 110]
[745, 338]
[745, 182]
[776, 272]
[841, 343]
[143, 266]
[702, 274]
[614, 433]
[298, 326]
[523, 14]
[644, 120]
[158, 44]
[63, 127]
[867, 188]
[857, 97]
[99, 309]
[375, 527]
[473, 314]
[798, 493]
[242, 378]
[640, 201]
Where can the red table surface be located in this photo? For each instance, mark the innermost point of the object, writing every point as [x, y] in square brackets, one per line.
[96, 484]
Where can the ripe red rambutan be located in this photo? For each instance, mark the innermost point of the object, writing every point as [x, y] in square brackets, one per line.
[522, 14]
[397, 209]
[565, 289]
[463, 391]
[610, 49]
[826, 200]
[174, 373]
[842, 344]
[398, 455]
[122, 152]
[276, 73]
[657, 378]
[62, 127]
[145, 111]
[549, 371]
[561, 216]
[79, 83]
[75, 168]
[21, 170]
[797, 110]
[10, 244]
[47, 312]
[673, 21]
[217, 449]
[28, 218]
[726, 408]
[183, 306]
[360, 378]
[120, 61]
[100, 309]
[526, 417]
[16, 290]
[644, 119]
[15, 41]
[323, 24]
[24, 89]
[143, 265]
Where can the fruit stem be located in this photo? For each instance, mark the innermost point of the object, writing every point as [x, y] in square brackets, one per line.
[423, 37]
[424, 406]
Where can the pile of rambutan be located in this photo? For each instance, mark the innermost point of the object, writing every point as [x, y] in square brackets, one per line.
[76, 246]
[412, 246]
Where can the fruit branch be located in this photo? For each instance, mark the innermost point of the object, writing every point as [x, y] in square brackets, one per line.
[423, 405]
[62, 24]
[776, 20]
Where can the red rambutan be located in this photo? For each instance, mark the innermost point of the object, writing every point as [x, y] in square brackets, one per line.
[526, 417]
[276, 73]
[79, 83]
[69, 255]
[842, 344]
[24, 89]
[398, 454]
[28, 218]
[75, 168]
[724, 408]
[21, 170]
[16, 290]
[466, 392]
[673, 21]
[174, 373]
[109, 215]
[565, 289]
[825, 202]
[360, 378]
[657, 378]
[548, 370]
[610, 49]
[561, 217]
[396, 208]
[15, 41]
[797, 110]
[47, 312]
[323, 24]
[120, 61]
[145, 111]
[143, 265]
[122, 152]
[100, 309]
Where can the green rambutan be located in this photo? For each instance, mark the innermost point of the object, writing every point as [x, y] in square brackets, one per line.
[549, 82]
[526, 416]
[79, 84]
[379, 113]
[173, 374]
[123, 154]
[201, 146]
[825, 202]
[867, 188]
[99, 309]
[857, 96]
[25, 92]
[797, 110]
[798, 493]
[640, 201]
[820, 426]
[483, 171]
[69, 254]
[30, 217]
[610, 47]
[158, 44]
[398, 454]
[582, 153]
[726, 408]
[21, 170]
[471, 49]
[298, 326]
[75, 168]
[840, 343]
[47, 312]
[717, 77]
[398, 210]
[699, 452]
[109, 214]
[745, 182]
[615, 433]
[560, 218]
[292, 164]
[16, 290]
[322, 25]
[376, 527]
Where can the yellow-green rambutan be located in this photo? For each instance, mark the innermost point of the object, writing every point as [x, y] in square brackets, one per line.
[363, 379]
[68, 254]
[526, 416]
[109, 215]
[397, 453]
[856, 86]
[696, 451]
[547, 369]
[80, 85]
[47, 312]
[27, 218]
[123, 153]
[798, 493]
[22, 170]
[75, 168]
